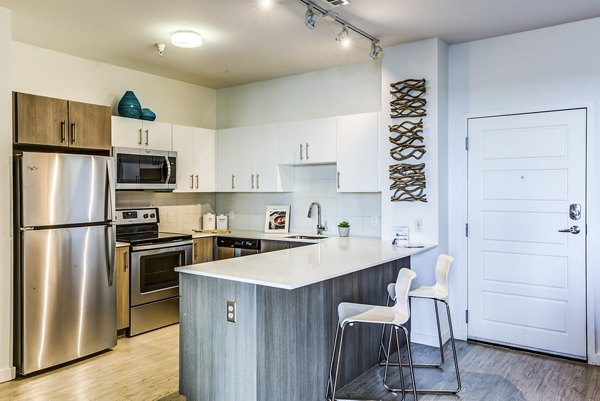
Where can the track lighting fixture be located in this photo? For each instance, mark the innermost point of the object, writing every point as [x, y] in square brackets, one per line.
[375, 50]
[311, 17]
[314, 12]
[343, 37]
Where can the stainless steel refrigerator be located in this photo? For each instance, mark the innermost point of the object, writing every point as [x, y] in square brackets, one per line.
[65, 297]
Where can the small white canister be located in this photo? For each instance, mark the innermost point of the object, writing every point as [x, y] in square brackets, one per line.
[221, 222]
[208, 221]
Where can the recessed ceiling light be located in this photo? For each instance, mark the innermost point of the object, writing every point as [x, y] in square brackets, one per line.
[187, 39]
[265, 3]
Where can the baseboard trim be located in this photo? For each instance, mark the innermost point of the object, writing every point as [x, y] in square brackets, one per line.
[7, 374]
[428, 339]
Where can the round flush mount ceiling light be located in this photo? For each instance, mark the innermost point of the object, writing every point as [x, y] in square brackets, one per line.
[187, 39]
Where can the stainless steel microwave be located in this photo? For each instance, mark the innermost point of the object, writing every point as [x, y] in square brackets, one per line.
[145, 169]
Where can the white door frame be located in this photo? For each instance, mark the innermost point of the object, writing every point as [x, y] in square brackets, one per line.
[458, 249]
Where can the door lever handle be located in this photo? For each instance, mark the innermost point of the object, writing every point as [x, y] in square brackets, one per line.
[572, 230]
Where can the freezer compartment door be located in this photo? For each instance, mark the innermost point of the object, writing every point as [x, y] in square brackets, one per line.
[68, 301]
[62, 189]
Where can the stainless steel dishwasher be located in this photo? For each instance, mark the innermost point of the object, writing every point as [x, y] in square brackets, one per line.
[233, 247]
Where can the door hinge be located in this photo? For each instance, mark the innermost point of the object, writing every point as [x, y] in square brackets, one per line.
[466, 229]
[466, 143]
[467, 316]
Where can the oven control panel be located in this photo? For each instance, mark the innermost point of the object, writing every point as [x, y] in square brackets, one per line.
[136, 216]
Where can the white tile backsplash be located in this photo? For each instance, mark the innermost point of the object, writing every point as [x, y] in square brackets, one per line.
[182, 212]
[313, 184]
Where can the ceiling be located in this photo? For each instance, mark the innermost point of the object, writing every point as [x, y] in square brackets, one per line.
[246, 43]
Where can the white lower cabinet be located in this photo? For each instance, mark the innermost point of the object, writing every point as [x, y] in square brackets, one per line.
[358, 153]
[133, 133]
[195, 149]
[247, 161]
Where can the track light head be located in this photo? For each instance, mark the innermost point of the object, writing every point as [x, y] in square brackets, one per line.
[311, 17]
[376, 50]
[343, 37]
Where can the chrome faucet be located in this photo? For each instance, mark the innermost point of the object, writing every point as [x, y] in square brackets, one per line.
[320, 228]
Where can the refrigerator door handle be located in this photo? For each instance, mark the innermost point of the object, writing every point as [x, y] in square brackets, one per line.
[110, 253]
[111, 190]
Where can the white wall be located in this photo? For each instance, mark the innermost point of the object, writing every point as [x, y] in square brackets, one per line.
[50, 73]
[6, 366]
[334, 91]
[556, 67]
[424, 59]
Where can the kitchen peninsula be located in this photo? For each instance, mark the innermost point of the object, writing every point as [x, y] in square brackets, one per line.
[285, 317]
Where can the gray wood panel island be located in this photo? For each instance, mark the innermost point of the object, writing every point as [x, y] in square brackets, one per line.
[279, 348]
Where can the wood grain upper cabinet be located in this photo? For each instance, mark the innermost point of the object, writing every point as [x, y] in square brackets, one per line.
[122, 280]
[133, 133]
[358, 153]
[202, 250]
[43, 120]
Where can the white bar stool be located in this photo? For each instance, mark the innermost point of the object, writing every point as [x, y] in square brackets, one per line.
[437, 293]
[397, 316]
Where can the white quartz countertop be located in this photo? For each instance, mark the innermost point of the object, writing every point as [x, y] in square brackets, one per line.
[299, 267]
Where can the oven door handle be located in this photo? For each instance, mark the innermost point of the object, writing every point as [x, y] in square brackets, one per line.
[148, 247]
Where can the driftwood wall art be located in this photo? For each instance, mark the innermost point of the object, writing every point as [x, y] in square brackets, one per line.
[408, 180]
[409, 100]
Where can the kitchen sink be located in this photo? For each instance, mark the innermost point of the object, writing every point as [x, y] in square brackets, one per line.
[307, 237]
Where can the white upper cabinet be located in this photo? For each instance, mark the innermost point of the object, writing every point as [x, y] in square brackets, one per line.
[307, 142]
[358, 153]
[195, 149]
[247, 161]
[132, 133]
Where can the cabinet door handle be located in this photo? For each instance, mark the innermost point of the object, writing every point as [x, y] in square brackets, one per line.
[252, 181]
[140, 141]
[232, 181]
[73, 132]
[257, 181]
[306, 150]
[338, 180]
[147, 137]
[125, 260]
[192, 178]
[301, 152]
[197, 181]
[63, 128]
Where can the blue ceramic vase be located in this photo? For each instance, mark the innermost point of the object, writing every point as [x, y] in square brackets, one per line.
[129, 106]
[148, 115]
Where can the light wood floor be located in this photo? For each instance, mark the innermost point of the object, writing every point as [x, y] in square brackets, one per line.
[146, 368]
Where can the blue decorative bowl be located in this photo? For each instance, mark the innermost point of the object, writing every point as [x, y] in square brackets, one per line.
[148, 115]
[129, 106]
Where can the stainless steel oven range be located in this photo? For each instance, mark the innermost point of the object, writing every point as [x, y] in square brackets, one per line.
[154, 283]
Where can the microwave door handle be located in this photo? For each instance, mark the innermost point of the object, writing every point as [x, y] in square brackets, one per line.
[168, 169]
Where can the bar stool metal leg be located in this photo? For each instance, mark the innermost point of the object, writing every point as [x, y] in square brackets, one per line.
[400, 365]
[337, 367]
[330, 381]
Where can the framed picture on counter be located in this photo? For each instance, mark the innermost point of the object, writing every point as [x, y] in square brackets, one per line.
[277, 219]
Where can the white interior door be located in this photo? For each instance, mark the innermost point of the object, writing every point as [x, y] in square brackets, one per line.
[527, 280]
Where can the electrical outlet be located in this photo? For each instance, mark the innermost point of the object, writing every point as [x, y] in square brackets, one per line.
[419, 225]
[231, 311]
